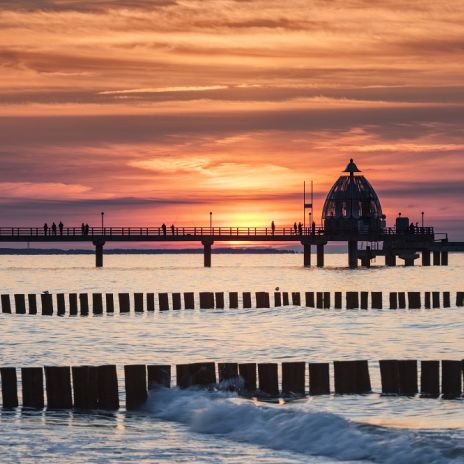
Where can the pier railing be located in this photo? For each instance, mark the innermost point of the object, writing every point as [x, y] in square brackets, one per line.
[187, 232]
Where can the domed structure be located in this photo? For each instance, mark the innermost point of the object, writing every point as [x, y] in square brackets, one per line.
[352, 204]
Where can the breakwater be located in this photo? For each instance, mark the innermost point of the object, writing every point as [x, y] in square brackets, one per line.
[83, 304]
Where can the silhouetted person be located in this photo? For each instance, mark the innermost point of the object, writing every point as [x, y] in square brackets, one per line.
[172, 229]
[313, 228]
[45, 228]
[83, 228]
[54, 229]
[164, 228]
[411, 228]
[300, 228]
[86, 229]
[60, 226]
[295, 228]
[273, 227]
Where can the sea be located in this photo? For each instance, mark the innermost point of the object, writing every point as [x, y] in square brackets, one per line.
[215, 426]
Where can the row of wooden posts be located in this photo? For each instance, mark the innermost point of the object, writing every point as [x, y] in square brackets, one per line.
[96, 387]
[81, 303]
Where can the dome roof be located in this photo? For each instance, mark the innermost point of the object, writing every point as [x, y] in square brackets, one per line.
[352, 197]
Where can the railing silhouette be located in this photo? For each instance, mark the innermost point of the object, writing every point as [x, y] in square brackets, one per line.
[198, 232]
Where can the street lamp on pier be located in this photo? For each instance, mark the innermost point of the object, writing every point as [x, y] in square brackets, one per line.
[422, 214]
[210, 222]
[102, 216]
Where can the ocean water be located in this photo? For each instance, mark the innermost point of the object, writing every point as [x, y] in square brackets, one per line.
[217, 426]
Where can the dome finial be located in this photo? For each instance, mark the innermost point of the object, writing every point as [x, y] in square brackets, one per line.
[351, 167]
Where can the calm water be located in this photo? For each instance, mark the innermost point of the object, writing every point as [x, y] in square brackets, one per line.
[196, 426]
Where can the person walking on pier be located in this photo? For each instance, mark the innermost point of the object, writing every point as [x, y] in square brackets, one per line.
[60, 226]
[172, 229]
[313, 228]
[45, 228]
[54, 229]
[295, 228]
[86, 229]
[300, 228]
[273, 227]
[83, 228]
[164, 229]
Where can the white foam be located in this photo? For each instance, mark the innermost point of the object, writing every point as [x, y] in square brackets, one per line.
[284, 427]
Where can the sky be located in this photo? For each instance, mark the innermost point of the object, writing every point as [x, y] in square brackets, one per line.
[164, 110]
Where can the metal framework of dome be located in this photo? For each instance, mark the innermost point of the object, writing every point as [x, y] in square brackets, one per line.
[352, 200]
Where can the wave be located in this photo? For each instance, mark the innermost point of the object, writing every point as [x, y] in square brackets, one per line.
[289, 428]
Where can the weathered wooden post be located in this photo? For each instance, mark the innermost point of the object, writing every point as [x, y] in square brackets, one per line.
[268, 379]
[338, 300]
[247, 372]
[246, 300]
[459, 299]
[326, 300]
[207, 243]
[414, 300]
[435, 300]
[352, 300]
[407, 377]
[320, 254]
[446, 300]
[99, 252]
[189, 300]
[444, 258]
[85, 387]
[451, 378]
[60, 303]
[33, 387]
[109, 300]
[6, 304]
[352, 254]
[9, 387]
[176, 301]
[124, 303]
[72, 304]
[393, 300]
[183, 376]
[108, 396]
[364, 300]
[306, 254]
[20, 303]
[319, 381]
[58, 386]
[203, 373]
[352, 377]
[262, 300]
[97, 303]
[138, 302]
[32, 303]
[277, 299]
[219, 299]
[163, 301]
[135, 377]
[285, 300]
[427, 300]
[159, 376]
[296, 299]
[233, 300]
[47, 304]
[389, 375]
[401, 300]
[425, 257]
[228, 376]
[309, 297]
[206, 300]
[376, 300]
[319, 300]
[150, 302]
[430, 378]
[436, 258]
[293, 378]
[84, 304]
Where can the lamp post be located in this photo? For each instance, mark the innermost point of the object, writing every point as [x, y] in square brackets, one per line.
[422, 214]
[210, 222]
[102, 216]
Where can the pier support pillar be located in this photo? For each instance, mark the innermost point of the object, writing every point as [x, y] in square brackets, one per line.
[99, 252]
[436, 258]
[409, 261]
[366, 262]
[444, 258]
[353, 254]
[320, 255]
[306, 254]
[390, 258]
[426, 258]
[207, 252]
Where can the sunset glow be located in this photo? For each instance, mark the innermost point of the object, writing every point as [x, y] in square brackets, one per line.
[163, 110]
